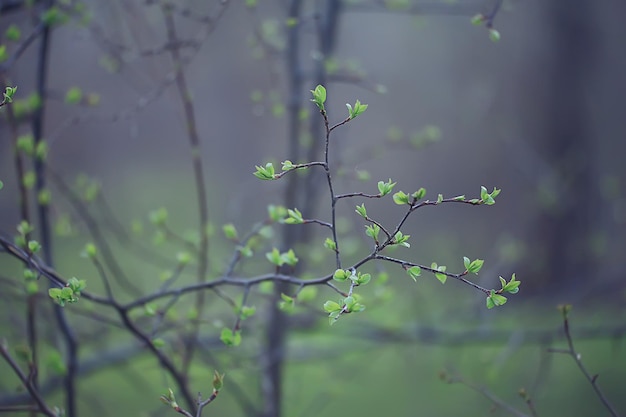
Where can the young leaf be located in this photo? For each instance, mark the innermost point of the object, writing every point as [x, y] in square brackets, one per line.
[475, 266]
[419, 194]
[330, 306]
[295, 217]
[494, 35]
[385, 188]
[341, 275]
[414, 272]
[495, 300]
[372, 230]
[319, 97]
[361, 210]
[230, 232]
[441, 277]
[401, 198]
[266, 173]
[330, 244]
[274, 257]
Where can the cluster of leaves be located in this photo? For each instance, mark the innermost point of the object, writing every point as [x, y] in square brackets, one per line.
[68, 294]
[7, 96]
[351, 302]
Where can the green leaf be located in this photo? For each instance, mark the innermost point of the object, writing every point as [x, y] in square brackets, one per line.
[295, 217]
[372, 230]
[266, 173]
[363, 279]
[466, 262]
[385, 188]
[441, 268]
[341, 275]
[330, 244]
[90, 251]
[439, 198]
[478, 19]
[330, 306]
[9, 92]
[361, 210]
[414, 272]
[275, 257]
[289, 257]
[356, 110]
[183, 258]
[276, 213]
[229, 338]
[34, 246]
[512, 287]
[230, 232]
[401, 239]
[401, 198]
[319, 97]
[475, 266]
[158, 343]
[247, 312]
[218, 380]
[29, 179]
[3, 57]
[495, 300]
[13, 33]
[494, 35]
[55, 363]
[74, 95]
[159, 217]
[419, 194]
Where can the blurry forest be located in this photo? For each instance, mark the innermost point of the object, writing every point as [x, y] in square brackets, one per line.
[137, 125]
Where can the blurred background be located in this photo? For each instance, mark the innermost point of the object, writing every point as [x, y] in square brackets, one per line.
[537, 114]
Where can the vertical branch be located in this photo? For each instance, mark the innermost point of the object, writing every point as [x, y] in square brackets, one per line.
[43, 217]
[31, 302]
[198, 171]
[327, 26]
[276, 331]
[300, 191]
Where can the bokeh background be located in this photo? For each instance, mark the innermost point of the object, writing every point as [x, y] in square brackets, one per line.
[538, 114]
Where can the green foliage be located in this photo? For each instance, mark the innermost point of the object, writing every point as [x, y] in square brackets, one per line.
[439, 275]
[385, 188]
[230, 232]
[73, 96]
[473, 266]
[401, 239]
[9, 92]
[319, 97]
[13, 33]
[68, 294]
[294, 217]
[494, 35]
[90, 251]
[356, 110]
[230, 337]
[280, 259]
[265, 173]
[414, 272]
[401, 198]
